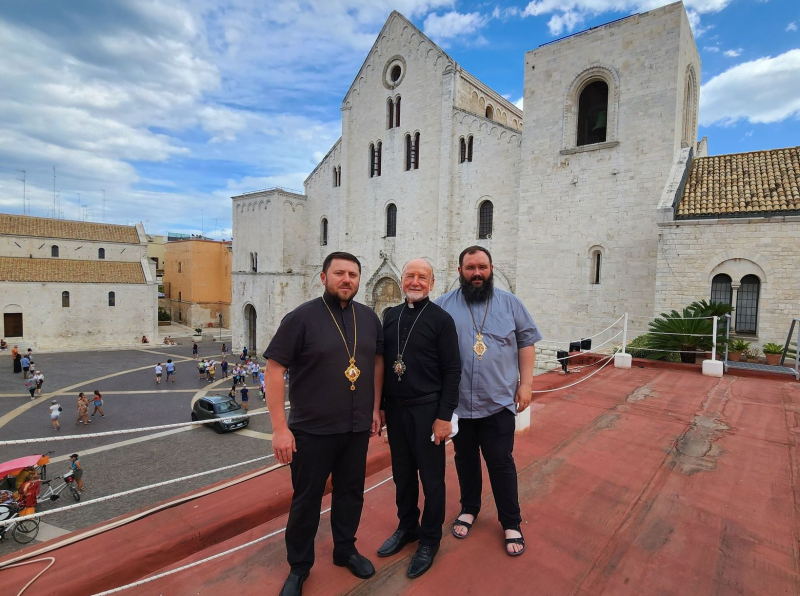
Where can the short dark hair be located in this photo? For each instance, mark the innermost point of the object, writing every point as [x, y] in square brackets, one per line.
[471, 250]
[339, 255]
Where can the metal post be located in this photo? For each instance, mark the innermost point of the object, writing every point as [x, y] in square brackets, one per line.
[714, 345]
[625, 333]
[727, 338]
[797, 356]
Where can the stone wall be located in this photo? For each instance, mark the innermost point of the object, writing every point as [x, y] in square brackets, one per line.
[81, 250]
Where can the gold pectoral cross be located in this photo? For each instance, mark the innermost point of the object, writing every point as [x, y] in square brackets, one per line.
[352, 373]
[479, 348]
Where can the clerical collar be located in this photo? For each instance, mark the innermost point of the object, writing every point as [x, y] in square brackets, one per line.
[419, 303]
[331, 301]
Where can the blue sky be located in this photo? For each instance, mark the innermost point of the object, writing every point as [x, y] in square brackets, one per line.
[172, 107]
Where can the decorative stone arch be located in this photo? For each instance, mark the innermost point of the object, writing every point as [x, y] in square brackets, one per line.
[596, 254]
[691, 103]
[378, 293]
[596, 72]
[238, 208]
[737, 264]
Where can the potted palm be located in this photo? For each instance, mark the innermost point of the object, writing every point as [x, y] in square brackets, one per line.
[736, 348]
[681, 332]
[772, 352]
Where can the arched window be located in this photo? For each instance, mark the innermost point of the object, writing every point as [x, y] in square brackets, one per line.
[112, 299]
[371, 160]
[64, 299]
[54, 250]
[469, 148]
[462, 154]
[251, 261]
[409, 153]
[390, 112]
[416, 152]
[375, 160]
[721, 290]
[378, 159]
[391, 221]
[747, 304]
[597, 258]
[397, 112]
[101, 253]
[485, 219]
[489, 112]
[689, 116]
[593, 113]
[323, 232]
[339, 176]
[335, 178]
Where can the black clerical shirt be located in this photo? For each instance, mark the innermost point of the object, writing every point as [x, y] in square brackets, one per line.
[430, 353]
[309, 345]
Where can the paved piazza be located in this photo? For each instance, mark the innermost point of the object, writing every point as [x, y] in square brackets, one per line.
[132, 399]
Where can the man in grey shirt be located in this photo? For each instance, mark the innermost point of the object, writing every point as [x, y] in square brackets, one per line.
[496, 338]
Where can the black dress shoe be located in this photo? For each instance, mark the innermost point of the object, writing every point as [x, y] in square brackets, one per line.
[395, 543]
[358, 565]
[422, 560]
[293, 586]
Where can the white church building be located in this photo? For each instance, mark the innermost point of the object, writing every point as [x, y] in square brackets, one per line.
[600, 202]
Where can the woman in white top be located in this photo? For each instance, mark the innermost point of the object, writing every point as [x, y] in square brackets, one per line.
[39, 378]
[55, 412]
[159, 369]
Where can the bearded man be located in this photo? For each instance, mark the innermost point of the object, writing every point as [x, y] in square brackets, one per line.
[420, 392]
[333, 348]
[496, 338]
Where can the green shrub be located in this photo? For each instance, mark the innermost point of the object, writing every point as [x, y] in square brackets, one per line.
[738, 345]
[163, 314]
[772, 348]
[681, 332]
[642, 342]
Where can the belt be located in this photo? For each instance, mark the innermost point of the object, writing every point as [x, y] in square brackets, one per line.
[417, 401]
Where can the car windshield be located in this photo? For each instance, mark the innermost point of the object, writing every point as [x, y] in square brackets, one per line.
[226, 406]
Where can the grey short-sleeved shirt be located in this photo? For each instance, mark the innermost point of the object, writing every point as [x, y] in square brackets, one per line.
[490, 384]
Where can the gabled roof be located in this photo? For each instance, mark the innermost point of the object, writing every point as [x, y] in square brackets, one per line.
[44, 227]
[741, 184]
[21, 269]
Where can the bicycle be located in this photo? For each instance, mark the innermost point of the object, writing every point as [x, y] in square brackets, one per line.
[53, 494]
[23, 530]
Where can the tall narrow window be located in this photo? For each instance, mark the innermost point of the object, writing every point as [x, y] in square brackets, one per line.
[409, 152]
[323, 232]
[180, 296]
[101, 253]
[378, 159]
[179, 266]
[371, 160]
[596, 267]
[112, 299]
[64, 299]
[255, 262]
[721, 289]
[489, 112]
[397, 113]
[469, 148]
[54, 250]
[339, 176]
[462, 154]
[390, 112]
[391, 221]
[335, 178]
[416, 151]
[485, 219]
[593, 113]
[747, 304]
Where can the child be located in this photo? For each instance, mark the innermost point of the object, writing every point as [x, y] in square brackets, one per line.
[158, 373]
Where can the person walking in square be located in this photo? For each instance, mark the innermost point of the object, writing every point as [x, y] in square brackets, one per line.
[26, 365]
[496, 337]
[159, 368]
[83, 410]
[334, 349]
[98, 402]
[224, 366]
[39, 378]
[211, 371]
[77, 470]
[201, 369]
[194, 350]
[30, 385]
[170, 366]
[244, 394]
[55, 413]
[420, 394]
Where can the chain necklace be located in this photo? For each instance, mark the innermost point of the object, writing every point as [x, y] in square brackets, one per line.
[399, 366]
[351, 372]
[479, 347]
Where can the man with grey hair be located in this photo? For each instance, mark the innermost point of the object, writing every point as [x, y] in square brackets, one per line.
[420, 393]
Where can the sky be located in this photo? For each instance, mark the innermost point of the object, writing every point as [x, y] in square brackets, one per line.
[167, 109]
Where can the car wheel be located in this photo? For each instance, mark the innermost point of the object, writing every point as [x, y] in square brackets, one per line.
[218, 428]
[194, 417]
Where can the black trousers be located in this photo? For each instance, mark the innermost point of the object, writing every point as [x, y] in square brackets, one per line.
[416, 458]
[342, 456]
[492, 436]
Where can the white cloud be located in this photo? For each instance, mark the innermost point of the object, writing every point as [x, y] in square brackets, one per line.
[791, 26]
[759, 91]
[453, 24]
[733, 53]
[713, 49]
[519, 102]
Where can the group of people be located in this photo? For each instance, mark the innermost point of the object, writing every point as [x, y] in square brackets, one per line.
[170, 366]
[27, 485]
[459, 367]
[23, 363]
[82, 409]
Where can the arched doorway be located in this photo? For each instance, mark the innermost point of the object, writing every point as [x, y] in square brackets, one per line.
[386, 294]
[250, 327]
[12, 321]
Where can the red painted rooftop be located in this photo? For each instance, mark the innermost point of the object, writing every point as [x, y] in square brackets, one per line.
[642, 481]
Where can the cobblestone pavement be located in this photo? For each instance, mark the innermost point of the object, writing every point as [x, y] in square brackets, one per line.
[132, 399]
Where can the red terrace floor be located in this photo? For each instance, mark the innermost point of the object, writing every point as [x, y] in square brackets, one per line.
[641, 481]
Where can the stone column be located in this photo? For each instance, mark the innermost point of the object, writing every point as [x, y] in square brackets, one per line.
[735, 292]
[443, 247]
[347, 174]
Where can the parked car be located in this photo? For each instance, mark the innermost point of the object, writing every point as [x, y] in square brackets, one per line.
[222, 408]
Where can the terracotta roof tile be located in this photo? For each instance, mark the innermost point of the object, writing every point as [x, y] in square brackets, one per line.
[25, 225]
[65, 270]
[743, 183]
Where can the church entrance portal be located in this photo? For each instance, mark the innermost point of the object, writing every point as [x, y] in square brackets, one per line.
[386, 294]
[250, 322]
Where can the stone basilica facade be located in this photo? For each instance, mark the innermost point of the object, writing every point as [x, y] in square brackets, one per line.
[600, 202]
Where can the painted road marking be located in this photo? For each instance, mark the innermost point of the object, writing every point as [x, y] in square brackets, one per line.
[125, 443]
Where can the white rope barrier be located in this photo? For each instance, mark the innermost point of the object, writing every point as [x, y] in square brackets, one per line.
[581, 353]
[126, 431]
[131, 491]
[683, 334]
[660, 317]
[634, 349]
[586, 378]
[552, 341]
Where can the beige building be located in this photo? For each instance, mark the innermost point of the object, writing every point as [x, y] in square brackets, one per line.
[157, 252]
[74, 284]
[197, 282]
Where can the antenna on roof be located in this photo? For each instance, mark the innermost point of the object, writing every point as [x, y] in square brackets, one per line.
[24, 200]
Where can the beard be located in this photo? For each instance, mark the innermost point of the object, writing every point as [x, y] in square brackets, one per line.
[474, 294]
[415, 295]
[340, 293]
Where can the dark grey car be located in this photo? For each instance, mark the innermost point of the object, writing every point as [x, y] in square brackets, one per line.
[227, 411]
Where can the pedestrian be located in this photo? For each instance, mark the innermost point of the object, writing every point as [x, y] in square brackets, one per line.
[30, 385]
[201, 369]
[497, 360]
[224, 350]
[98, 402]
[232, 393]
[236, 375]
[244, 393]
[83, 409]
[212, 370]
[224, 366]
[31, 367]
[3, 345]
[244, 353]
[39, 378]
[26, 365]
[170, 370]
[334, 391]
[254, 371]
[158, 373]
[17, 359]
[28, 493]
[55, 412]
[194, 350]
[420, 394]
[208, 366]
[77, 471]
